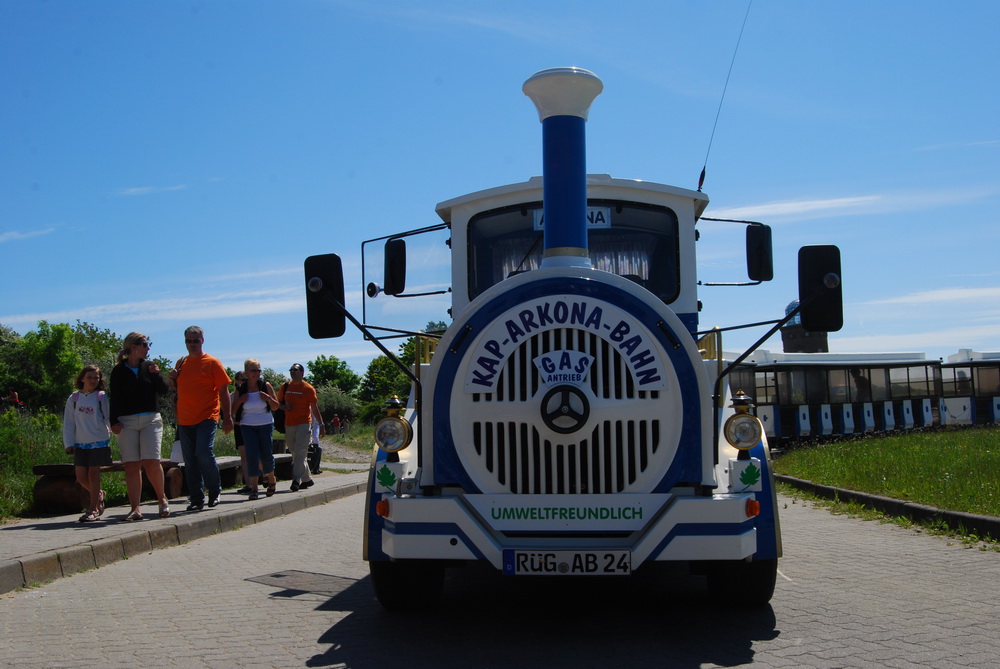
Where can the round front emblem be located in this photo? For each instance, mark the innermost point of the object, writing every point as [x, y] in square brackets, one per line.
[565, 409]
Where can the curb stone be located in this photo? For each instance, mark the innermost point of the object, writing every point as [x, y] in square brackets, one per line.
[983, 526]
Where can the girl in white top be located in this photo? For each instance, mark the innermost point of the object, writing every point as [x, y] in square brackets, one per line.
[87, 435]
[254, 403]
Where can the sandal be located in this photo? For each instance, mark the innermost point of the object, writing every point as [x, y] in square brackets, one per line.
[89, 517]
[271, 483]
[100, 504]
[164, 509]
[253, 495]
[135, 515]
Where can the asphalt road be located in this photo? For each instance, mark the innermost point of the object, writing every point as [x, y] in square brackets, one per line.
[293, 592]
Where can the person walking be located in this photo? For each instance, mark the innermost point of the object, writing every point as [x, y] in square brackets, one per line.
[135, 418]
[255, 400]
[87, 435]
[239, 378]
[202, 398]
[299, 401]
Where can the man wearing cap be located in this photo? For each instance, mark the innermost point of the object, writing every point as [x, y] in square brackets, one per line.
[299, 401]
[202, 398]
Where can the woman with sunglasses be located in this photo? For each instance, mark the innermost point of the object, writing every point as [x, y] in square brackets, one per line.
[135, 418]
[255, 400]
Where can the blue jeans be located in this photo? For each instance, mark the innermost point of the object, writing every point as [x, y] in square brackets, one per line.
[200, 467]
[259, 449]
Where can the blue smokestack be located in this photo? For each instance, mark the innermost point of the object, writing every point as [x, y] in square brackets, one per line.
[563, 96]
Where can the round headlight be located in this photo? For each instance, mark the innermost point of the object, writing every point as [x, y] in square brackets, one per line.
[393, 434]
[743, 431]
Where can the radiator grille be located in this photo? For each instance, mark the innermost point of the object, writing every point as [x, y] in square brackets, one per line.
[631, 434]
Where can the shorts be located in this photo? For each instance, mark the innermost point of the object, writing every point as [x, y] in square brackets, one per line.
[92, 457]
[140, 437]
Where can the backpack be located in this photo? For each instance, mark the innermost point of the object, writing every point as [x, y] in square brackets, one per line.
[100, 396]
[279, 414]
[243, 389]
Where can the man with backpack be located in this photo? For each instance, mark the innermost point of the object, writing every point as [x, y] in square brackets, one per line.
[300, 403]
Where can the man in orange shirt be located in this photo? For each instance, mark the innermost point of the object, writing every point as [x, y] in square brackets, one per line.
[202, 396]
[298, 399]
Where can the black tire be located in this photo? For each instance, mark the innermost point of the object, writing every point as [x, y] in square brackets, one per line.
[408, 584]
[745, 584]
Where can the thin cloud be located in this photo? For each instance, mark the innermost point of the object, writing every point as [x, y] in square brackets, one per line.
[800, 210]
[526, 28]
[148, 190]
[945, 295]
[975, 337]
[958, 145]
[220, 305]
[14, 236]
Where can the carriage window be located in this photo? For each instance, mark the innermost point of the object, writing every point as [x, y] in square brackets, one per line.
[880, 384]
[861, 385]
[839, 386]
[767, 389]
[956, 381]
[988, 381]
[920, 381]
[639, 243]
[899, 383]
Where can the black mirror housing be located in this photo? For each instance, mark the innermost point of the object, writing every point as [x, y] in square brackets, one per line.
[760, 265]
[820, 289]
[325, 282]
[395, 267]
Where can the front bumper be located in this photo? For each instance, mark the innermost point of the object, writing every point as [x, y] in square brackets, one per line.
[659, 527]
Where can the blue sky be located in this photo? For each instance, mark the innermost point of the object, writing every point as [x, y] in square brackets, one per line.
[172, 163]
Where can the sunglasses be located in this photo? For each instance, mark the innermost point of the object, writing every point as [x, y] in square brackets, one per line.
[147, 344]
[254, 370]
[192, 341]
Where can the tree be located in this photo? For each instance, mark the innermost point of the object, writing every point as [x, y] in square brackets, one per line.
[334, 401]
[14, 362]
[96, 346]
[332, 371]
[54, 362]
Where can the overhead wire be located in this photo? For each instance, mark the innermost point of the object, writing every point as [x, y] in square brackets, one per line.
[701, 178]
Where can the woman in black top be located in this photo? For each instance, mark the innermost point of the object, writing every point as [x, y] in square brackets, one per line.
[135, 418]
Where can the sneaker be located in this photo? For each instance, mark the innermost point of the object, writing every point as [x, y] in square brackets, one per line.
[195, 506]
[295, 486]
[308, 484]
[213, 501]
[245, 490]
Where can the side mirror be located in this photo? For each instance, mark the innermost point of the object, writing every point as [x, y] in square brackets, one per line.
[760, 266]
[820, 289]
[325, 281]
[395, 267]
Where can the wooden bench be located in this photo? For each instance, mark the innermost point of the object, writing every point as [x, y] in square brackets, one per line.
[57, 491]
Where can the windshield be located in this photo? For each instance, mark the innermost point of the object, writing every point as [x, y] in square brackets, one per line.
[636, 241]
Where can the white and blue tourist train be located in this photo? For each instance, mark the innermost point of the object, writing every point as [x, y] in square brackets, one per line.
[569, 423]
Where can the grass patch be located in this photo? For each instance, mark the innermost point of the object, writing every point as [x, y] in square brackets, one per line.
[954, 469]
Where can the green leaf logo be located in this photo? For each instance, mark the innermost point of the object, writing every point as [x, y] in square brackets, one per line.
[750, 475]
[386, 477]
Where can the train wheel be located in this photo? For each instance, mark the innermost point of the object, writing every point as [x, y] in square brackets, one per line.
[745, 584]
[407, 585]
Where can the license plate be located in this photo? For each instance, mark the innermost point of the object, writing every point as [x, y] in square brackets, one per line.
[567, 563]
